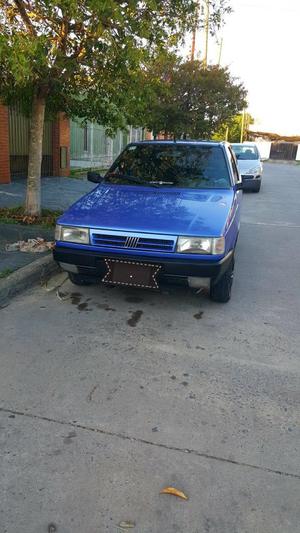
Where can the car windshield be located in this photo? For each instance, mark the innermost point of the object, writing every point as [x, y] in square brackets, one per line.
[245, 152]
[171, 165]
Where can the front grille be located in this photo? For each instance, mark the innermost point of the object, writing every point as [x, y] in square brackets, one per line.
[155, 245]
[112, 241]
[133, 242]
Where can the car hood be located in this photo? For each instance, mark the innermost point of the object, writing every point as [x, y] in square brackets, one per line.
[248, 164]
[151, 210]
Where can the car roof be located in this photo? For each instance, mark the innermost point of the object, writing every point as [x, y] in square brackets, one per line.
[180, 141]
[244, 143]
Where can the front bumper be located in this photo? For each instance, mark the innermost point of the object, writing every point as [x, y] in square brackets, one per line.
[250, 181]
[92, 265]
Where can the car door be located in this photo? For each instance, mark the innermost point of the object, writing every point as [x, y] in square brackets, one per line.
[237, 199]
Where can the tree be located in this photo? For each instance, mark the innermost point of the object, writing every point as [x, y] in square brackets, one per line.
[87, 58]
[233, 127]
[193, 101]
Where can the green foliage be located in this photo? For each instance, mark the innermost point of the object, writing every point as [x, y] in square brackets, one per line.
[92, 59]
[234, 126]
[218, 9]
[87, 58]
[192, 101]
[6, 272]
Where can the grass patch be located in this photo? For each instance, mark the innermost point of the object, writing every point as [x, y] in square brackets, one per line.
[17, 215]
[4, 273]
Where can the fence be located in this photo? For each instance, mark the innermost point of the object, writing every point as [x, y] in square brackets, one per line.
[284, 151]
[91, 147]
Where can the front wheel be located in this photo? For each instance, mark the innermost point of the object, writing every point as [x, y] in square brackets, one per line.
[77, 279]
[221, 290]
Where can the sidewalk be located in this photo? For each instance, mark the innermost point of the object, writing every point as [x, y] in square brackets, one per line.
[57, 194]
[10, 233]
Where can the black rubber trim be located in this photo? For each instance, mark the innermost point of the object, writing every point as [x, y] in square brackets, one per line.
[92, 263]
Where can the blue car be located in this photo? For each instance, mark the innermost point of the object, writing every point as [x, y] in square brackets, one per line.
[166, 211]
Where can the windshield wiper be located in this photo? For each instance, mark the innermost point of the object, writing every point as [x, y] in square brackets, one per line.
[162, 182]
[132, 179]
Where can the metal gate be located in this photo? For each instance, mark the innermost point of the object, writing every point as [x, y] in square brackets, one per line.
[91, 147]
[19, 126]
[283, 150]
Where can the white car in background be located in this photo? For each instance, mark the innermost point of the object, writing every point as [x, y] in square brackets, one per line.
[249, 165]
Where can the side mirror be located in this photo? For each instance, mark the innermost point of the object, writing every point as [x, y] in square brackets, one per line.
[239, 186]
[94, 177]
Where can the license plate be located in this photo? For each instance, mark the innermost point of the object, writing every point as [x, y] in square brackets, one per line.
[131, 274]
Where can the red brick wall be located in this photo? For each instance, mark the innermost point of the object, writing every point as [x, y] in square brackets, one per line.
[148, 135]
[61, 138]
[4, 145]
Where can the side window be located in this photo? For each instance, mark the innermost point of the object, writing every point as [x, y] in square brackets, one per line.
[234, 167]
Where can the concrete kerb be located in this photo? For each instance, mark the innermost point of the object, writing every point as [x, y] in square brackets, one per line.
[36, 272]
[282, 162]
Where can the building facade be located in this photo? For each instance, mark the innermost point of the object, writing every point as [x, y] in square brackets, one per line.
[14, 145]
[66, 144]
[92, 148]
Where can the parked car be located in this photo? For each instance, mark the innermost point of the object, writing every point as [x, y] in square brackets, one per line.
[166, 211]
[249, 165]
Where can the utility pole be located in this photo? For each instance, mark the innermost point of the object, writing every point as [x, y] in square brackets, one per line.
[226, 134]
[206, 29]
[220, 52]
[193, 44]
[242, 126]
[193, 48]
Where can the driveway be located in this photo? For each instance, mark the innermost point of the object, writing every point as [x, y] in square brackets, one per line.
[109, 395]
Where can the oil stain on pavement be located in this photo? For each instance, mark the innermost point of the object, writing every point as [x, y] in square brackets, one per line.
[199, 315]
[133, 299]
[135, 318]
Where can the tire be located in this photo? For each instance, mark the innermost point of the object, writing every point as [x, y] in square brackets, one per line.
[257, 188]
[77, 279]
[221, 290]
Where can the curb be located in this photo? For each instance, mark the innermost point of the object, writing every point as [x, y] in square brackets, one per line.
[23, 278]
[282, 161]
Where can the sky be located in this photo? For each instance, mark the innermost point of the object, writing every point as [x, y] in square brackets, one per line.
[261, 46]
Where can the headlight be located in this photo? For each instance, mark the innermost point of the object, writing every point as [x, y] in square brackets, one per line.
[254, 170]
[72, 234]
[201, 245]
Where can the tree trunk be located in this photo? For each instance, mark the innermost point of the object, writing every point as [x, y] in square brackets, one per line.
[33, 195]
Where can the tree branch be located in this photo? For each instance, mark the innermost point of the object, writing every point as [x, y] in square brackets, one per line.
[22, 10]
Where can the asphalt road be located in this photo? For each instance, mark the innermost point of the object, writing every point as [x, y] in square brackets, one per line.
[110, 395]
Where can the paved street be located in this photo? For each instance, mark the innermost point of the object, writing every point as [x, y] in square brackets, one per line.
[109, 395]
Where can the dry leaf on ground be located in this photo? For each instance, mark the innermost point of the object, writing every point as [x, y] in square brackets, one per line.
[174, 492]
[126, 525]
[31, 245]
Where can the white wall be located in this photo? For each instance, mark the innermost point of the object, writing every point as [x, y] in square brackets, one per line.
[87, 163]
[264, 148]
